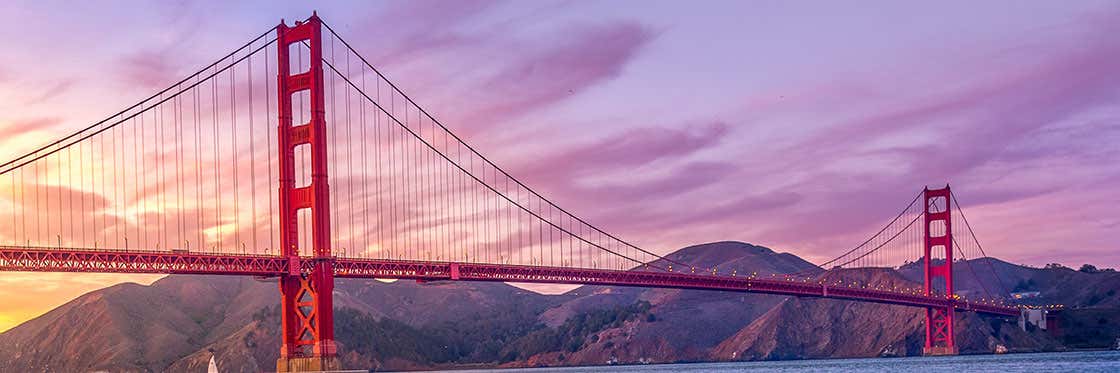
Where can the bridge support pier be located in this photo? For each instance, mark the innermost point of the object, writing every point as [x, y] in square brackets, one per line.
[940, 351]
[939, 332]
[308, 364]
[307, 321]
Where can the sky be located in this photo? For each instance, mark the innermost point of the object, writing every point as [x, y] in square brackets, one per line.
[800, 126]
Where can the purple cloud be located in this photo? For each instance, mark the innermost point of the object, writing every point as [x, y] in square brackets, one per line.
[541, 76]
[624, 150]
[408, 30]
[151, 68]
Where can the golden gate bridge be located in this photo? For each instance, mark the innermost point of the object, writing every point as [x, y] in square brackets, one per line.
[293, 158]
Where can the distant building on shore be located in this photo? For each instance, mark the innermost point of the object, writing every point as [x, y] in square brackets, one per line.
[1026, 294]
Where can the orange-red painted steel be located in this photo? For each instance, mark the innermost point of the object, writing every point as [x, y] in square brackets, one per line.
[59, 259]
[66, 260]
[939, 320]
[307, 319]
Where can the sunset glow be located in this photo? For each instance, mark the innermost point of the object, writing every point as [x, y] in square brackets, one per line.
[665, 126]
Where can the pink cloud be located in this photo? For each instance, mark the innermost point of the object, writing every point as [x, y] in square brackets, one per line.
[49, 92]
[17, 127]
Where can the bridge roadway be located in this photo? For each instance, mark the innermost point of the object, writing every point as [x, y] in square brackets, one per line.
[54, 259]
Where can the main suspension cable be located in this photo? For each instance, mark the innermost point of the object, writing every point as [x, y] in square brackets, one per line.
[492, 164]
[8, 166]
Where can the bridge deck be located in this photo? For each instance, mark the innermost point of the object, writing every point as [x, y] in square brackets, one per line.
[39, 259]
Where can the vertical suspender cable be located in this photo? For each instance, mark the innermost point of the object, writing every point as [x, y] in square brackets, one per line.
[217, 164]
[237, 242]
[252, 160]
[268, 140]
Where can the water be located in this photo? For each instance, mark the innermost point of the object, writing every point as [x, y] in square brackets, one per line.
[1094, 361]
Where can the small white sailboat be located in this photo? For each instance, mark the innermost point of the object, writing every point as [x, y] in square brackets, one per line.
[213, 367]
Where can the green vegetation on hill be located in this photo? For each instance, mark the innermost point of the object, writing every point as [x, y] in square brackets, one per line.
[1089, 327]
[575, 332]
[388, 338]
[494, 338]
[478, 341]
[482, 339]
[499, 337]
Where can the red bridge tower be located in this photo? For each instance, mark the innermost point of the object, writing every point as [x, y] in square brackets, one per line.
[938, 239]
[307, 320]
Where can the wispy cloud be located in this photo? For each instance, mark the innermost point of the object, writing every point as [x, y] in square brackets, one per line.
[408, 30]
[18, 127]
[150, 68]
[49, 92]
[542, 75]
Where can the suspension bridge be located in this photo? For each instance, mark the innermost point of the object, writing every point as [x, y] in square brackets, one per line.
[293, 158]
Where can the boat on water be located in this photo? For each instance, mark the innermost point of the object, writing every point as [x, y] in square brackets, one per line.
[890, 351]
